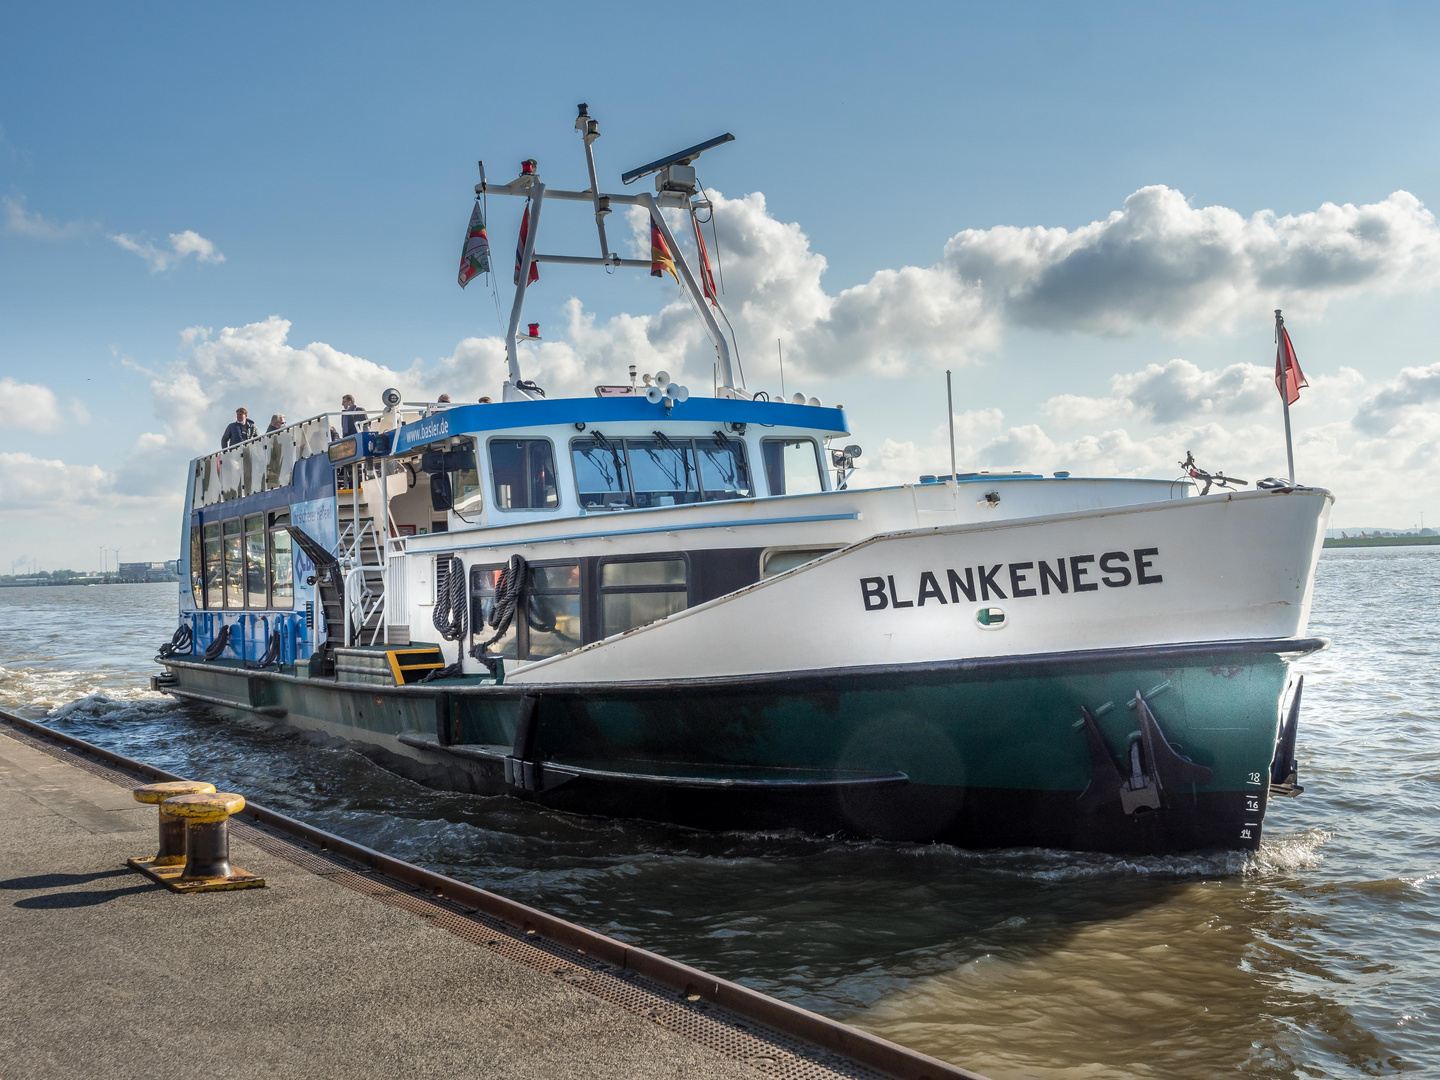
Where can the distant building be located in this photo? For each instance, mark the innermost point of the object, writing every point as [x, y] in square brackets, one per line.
[148, 571]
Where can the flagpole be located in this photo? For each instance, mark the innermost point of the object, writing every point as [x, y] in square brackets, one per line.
[1285, 391]
[950, 418]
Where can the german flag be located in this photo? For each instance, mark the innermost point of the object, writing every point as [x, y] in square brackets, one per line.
[520, 250]
[707, 279]
[660, 257]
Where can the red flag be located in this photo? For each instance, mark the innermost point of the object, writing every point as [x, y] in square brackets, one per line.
[1288, 376]
[520, 251]
[707, 279]
[660, 257]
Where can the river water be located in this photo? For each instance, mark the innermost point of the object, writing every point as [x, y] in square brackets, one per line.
[1318, 957]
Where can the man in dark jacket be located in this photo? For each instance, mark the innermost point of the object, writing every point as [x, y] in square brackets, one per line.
[349, 423]
[243, 428]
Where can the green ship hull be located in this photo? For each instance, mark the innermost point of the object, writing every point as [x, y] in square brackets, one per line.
[980, 753]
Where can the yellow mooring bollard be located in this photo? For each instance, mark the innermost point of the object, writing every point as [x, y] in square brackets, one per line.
[205, 866]
[172, 828]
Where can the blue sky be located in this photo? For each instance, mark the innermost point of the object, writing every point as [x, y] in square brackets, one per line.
[327, 156]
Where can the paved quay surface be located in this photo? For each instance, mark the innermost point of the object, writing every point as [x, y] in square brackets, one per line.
[105, 974]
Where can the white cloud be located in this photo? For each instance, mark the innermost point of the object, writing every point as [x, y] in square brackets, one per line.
[773, 290]
[1159, 261]
[1414, 390]
[23, 222]
[1176, 391]
[29, 406]
[59, 513]
[182, 244]
[28, 482]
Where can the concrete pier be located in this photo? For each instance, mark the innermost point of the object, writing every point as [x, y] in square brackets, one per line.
[331, 971]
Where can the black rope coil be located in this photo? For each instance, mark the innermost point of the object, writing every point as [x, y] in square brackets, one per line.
[451, 599]
[216, 647]
[272, 653]
[182, 641]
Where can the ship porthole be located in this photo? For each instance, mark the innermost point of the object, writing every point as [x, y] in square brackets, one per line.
[990, 618]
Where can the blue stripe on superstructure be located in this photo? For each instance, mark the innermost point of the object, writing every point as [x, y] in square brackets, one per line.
[462, 419]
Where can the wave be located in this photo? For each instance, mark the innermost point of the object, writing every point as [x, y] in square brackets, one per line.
[44, 690]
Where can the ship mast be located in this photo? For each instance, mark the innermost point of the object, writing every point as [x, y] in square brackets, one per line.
[675, 187]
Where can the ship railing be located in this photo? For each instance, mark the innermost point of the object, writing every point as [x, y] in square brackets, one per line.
[350, 549]
[363, 610]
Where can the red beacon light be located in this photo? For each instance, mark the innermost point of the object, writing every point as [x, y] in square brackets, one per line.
[534, 329]
[527, 167]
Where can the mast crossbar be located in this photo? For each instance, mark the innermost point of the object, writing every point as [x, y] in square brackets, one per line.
[529, 186]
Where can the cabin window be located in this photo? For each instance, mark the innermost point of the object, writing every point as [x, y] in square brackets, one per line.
[547, 622]
[552, 598]
[197, 567]
[483, 580]
[601, 475]
[214, 572]
[255, 583]
[792, 466]
[524, 474]
[634, 592]
[778, 561]
[233, 544]
[282, 561]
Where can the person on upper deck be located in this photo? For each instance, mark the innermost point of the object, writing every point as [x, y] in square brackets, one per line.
[349, 423]
[277, 422]
[243, 428]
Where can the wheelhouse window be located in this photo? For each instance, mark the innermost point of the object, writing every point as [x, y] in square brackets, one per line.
[601, 475]
[465, 486]
[233, 544]
[214, 572]
[281, 561]
[661, 470]
[792, 466]
[723, 473]
[255, 576]
[634, 592]
[524, 474]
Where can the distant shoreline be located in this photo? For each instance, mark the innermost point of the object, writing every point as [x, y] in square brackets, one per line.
[81, 581]
[1381, 541]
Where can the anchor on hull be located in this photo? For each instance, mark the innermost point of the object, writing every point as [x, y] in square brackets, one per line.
[1156, 767]
[1284, 770]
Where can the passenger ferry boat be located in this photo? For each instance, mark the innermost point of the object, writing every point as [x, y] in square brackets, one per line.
[658, 605]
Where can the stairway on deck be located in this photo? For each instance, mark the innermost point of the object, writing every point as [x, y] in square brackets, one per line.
[353, 521]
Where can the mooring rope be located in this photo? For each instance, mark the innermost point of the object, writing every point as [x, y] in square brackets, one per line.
[451, 599]
[182, 641]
